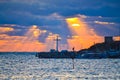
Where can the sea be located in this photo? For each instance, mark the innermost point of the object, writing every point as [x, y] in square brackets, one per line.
[26, 66]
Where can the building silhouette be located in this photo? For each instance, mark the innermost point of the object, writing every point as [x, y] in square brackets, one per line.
[108, 39]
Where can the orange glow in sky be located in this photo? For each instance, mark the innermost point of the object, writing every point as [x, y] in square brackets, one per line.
[18, 46]
[6, 29]
[83, 36]
[117, 38]
[27, 43]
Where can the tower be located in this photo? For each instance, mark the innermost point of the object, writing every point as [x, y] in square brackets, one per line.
[108, 39]
[57, 39]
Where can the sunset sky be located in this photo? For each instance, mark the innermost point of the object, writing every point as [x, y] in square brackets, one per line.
[32, 25]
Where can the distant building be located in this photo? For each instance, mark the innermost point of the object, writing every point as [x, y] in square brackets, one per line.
[108, 39]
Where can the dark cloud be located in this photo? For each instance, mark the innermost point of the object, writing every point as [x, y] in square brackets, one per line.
[50, 15]
[63, 7]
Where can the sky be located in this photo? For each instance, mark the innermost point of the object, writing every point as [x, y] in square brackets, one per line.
[32, 25]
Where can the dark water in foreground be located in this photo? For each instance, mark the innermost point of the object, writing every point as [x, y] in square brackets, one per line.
[29, 67]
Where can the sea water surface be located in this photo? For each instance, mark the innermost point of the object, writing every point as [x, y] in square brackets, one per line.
[14, 66]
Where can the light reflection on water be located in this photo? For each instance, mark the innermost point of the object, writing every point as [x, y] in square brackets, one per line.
[29, 67]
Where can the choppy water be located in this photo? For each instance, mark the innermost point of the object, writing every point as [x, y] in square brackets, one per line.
[29, 67]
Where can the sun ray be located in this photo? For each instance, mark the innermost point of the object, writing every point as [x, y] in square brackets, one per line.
[83, 36]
